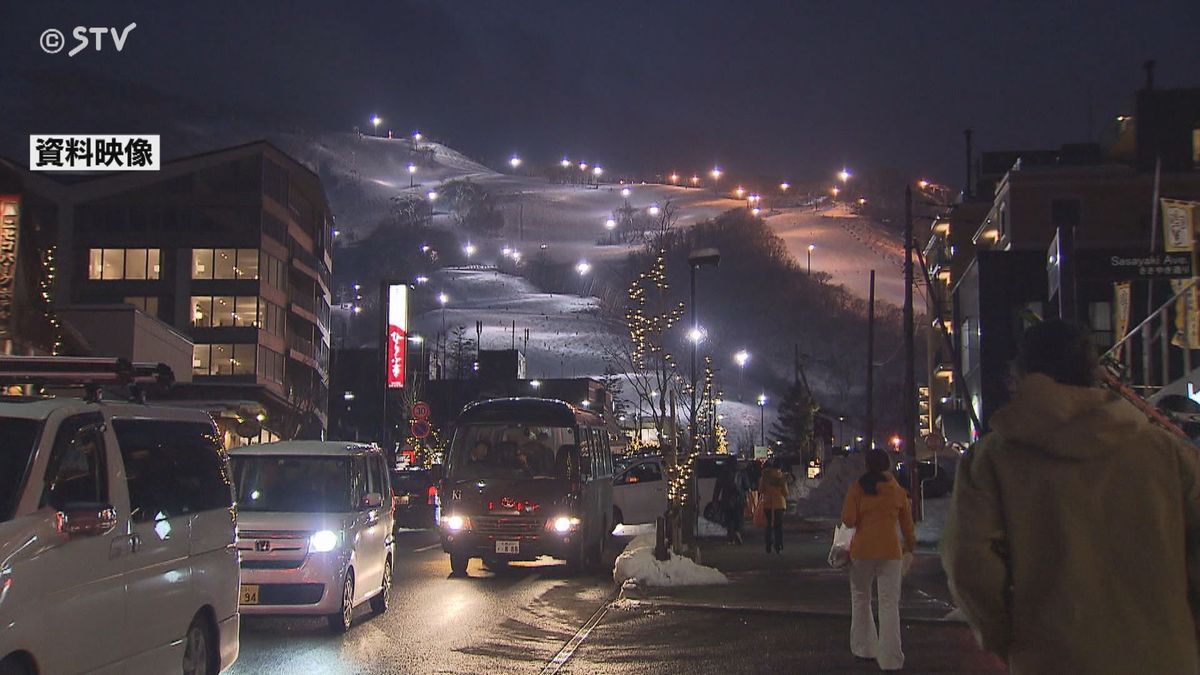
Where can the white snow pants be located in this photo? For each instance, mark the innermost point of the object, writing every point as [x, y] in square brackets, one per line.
[883, 646]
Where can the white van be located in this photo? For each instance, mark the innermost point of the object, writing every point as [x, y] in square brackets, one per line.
[314, 528]
[116, 540]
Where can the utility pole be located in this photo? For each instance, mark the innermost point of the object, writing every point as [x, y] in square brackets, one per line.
[870, 421]
[910, 385]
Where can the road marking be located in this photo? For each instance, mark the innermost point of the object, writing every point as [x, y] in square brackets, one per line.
[427, 548]
[568, 650]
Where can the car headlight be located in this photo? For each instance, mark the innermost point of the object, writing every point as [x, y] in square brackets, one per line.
[455, 523]
[323, 541]
[563, 524]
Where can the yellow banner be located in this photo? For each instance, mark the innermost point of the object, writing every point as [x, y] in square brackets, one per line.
[1187, 316]
[1179, 223]
[1122, 300]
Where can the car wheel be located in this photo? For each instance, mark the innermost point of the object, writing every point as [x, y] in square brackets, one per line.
[379, 603]
[14, 665]
[458, 564]
[340, 621]
[198, 649]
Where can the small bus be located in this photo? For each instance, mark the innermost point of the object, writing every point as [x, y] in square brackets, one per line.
[526, 478]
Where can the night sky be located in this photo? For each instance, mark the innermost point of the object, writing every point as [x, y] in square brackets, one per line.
[795, 89]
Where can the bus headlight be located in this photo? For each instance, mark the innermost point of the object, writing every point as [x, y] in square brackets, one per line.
[563, 524]
[455, 523]
[323, 541]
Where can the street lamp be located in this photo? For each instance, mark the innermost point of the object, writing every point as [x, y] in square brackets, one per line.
[653, 210]
[416, 136]
[610, 224]
[811, 248]
[442, 299]
[695, 181]
[432, 195]
[583, 267]
[844, 175]
[696, 259]
[514, 162]
[762, 417]
[597, 171]
[469, 249]
[625, 192]
[716, 173]
[740, 191]
[835, 191]
[922, 184]
[741, 358]
[785, 186]
[674, 178]
[375, 120]
[412, 173]
[564, 163]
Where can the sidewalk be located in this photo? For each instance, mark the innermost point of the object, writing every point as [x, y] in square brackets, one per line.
[786, 613]
[799, 580]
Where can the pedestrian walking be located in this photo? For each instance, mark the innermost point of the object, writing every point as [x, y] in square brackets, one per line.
[1073, 541]
[730, 495]
[875, 505]
[773, 491]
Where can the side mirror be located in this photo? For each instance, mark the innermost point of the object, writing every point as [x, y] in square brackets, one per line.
[372, 500]
[86, 520]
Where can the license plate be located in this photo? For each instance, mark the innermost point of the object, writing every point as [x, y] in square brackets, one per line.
[249, 594]
[508, 547]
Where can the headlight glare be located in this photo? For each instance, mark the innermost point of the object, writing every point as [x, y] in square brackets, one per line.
[563, 524]
[455, 523]
[323, 541]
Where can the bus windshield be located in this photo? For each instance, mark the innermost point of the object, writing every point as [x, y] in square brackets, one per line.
[511, 451]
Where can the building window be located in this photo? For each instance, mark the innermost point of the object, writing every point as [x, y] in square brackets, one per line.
[219, 311]
[223, 359]
[270, 365]
[275, 272]
[108, 264]
[271, 317]
[148, 304]
[225, 263]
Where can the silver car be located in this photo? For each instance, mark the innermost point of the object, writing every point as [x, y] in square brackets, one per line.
[314, 529]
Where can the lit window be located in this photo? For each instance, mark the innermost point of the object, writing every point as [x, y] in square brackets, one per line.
[110, 264]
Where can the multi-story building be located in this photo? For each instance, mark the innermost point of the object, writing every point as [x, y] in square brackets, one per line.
[231, 248]
[1105, 198]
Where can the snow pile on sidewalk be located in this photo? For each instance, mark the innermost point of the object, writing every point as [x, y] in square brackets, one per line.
[825, 499]
[638, 565]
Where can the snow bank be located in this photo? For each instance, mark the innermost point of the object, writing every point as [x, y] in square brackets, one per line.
[637, 565]
[825, 499]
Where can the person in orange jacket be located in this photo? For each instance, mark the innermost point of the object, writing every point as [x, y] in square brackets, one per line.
[874, 506]
[773, 491]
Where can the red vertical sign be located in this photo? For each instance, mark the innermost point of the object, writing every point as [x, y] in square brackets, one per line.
[396, 341]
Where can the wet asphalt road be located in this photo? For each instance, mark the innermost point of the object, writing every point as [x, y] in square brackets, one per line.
[514, 622]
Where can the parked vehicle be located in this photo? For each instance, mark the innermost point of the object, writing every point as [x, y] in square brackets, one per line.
[640, 492]
[414, 498]
[116, 540]
[527, 477]
[315, 529]
[709, 467]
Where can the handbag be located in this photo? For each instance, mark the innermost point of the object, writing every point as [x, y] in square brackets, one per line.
[839, 552]
[714, 513]
[760, 513]
[751, 505]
